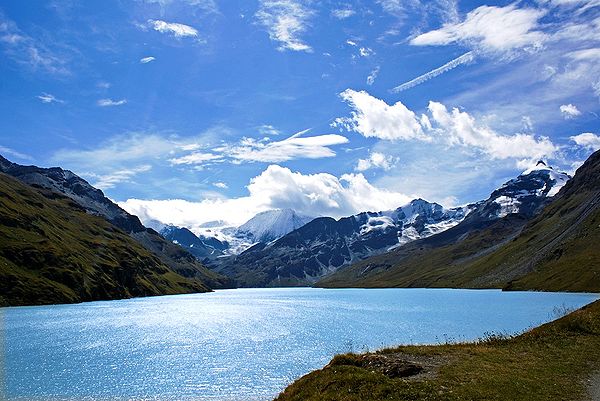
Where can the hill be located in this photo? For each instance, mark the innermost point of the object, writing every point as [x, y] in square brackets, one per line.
[52, 251]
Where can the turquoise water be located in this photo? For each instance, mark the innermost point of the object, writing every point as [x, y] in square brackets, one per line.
[245, 344]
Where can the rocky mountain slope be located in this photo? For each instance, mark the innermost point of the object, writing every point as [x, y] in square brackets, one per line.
[52, 251]
[324, 245]
[95, 203]
[479, 252]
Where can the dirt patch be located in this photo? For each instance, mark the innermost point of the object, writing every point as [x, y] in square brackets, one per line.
[594, 387]
[398, 364]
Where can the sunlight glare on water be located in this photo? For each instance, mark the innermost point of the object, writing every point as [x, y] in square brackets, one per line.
[245, 344]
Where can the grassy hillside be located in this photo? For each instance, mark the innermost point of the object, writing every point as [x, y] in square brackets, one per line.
[52, 251]
[552, 362]
[556, 251]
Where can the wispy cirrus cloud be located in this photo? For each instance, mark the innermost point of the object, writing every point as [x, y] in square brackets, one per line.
[29, 51]
[146, 60]
[464, 59]
[342, 13]
[49, 98]
[111, 102]
[286, 21]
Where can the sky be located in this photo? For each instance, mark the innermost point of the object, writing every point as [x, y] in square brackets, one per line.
[193, 111]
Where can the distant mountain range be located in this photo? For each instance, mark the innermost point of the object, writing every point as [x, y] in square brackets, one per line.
[67, 242]
[264, 227]
[548, 245]
[325, 246]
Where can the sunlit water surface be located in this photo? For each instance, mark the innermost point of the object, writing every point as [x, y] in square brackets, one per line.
[237, 344]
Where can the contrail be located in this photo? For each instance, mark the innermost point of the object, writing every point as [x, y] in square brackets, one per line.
[465, 58]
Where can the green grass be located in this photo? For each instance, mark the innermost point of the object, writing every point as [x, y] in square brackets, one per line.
[550, 362]
[52, 251]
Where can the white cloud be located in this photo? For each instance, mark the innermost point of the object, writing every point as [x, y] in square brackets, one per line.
[26, 50]
[147, 60]
[569, 111]
[295, 147]
[319, 194]
[376, 160]
[220, 184]
[587, 140]
[110, 102]
[286, 21]
[13, 153]
[464, 59]
[343, 13]
[351, 42]
[49, 98]
[373, 118]
[491, 29]
[267, 129]
[176, 29]
[373, 76]
[460, 128]
[110, 180]
[196, 158]
[366, 51]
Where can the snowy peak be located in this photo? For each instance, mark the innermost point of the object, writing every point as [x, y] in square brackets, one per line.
[272, 224]
[526, 193]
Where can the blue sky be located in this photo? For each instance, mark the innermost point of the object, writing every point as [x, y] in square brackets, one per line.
[188, 111]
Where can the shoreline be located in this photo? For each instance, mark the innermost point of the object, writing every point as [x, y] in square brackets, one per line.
[559, 360]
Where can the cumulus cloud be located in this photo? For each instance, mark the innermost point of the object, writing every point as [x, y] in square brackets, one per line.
[490, 29]
[376, 160]
[460, 128]
[49, 98]
[111, 102]
[146, 60]
[285, 21]
[569, 111]
[374, 118]
[318, 194]
[587, 140]
[173, 28]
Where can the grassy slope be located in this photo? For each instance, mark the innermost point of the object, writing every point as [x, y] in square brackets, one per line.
[51, 251]
[550, 362]
[439, 261]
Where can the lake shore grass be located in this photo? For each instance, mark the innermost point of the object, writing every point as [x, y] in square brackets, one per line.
[552, 362]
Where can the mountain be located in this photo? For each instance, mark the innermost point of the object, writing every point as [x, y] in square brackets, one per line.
[52, 251]
[447, 259]
[324, 245]
[271, 225]
[94, 202]
[201, 248]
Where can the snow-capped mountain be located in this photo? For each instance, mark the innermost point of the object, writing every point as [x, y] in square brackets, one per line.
[325, 244]
[271, 225]
[525, 194]
[216, 239]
